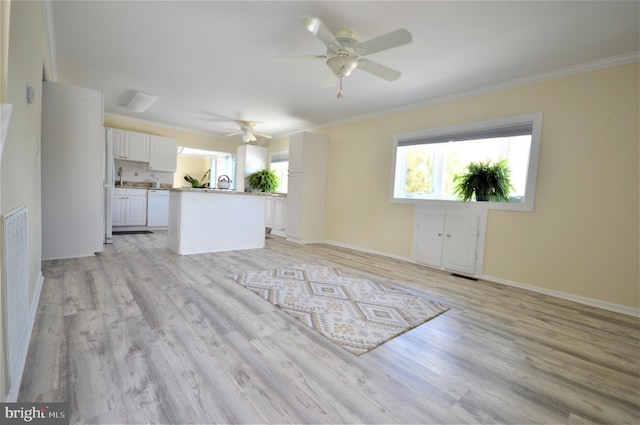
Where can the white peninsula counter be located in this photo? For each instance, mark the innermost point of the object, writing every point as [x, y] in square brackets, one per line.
[212, 220]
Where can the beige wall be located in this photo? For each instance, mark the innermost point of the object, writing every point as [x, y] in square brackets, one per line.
[184, 137]
[20, 161]
[582, 238]
[195, 167]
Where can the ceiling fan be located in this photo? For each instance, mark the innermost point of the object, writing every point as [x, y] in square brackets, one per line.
[345, 53]
[248, 133]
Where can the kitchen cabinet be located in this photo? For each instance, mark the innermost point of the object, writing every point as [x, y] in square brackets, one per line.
[446, 240]
[308, 156]
[275, 213]
[130, 145]
[249, 160]
[163, 153]
[129, 207]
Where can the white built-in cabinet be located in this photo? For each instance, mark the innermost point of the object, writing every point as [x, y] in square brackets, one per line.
[308, 156]
[130, 145]
[275, 213]
[129, 207]
[163, 154]
[249, 160]
[446, 240]
[160, 152]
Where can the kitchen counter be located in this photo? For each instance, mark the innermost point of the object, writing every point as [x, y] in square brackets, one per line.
[228, 191]
[214, 220]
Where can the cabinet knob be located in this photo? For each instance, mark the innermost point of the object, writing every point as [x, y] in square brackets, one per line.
[448, 235]
[439, 234]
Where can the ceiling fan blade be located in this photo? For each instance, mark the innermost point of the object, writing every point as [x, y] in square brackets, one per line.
[320, 30]
[387, 41]
[330, 80]
[234, 134]
[299, 57]
[252, 137]
[378, 70]
[264, 136]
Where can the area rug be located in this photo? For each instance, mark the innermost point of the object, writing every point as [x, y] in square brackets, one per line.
[354, 312]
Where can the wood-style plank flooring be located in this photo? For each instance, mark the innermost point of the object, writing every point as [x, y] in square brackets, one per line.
[139, 334]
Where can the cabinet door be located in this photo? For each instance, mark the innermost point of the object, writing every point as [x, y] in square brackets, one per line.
[119, 148]
[163, 153]
[427, 237]
[294, 206]
[460, 243]
[296, 158]
[137, 145]
[268, 211]
[279, 212]
[136, 211]
[118, 210]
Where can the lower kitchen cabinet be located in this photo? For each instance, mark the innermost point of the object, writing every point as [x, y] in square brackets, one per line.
[446, 240]
[275, 213]
[129, 207]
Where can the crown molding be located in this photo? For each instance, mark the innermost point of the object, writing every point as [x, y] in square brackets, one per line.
[50, 64]
[520, 82]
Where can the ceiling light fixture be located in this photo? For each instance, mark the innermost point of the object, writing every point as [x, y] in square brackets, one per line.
[141, 102]
[342, 65]
[246, 138]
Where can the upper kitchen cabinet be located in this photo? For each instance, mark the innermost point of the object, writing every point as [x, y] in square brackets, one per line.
[130, 145]
[163, 154]
[250, 159]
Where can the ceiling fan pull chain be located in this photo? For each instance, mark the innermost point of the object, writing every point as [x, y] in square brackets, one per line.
[340, 91]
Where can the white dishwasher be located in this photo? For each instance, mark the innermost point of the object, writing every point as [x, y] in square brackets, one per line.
[158, 208]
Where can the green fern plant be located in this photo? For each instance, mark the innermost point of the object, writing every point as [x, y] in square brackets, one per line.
[486, 180]
[263, 180]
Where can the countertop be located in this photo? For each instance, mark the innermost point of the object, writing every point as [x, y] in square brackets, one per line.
[142, 186]
[227, 191]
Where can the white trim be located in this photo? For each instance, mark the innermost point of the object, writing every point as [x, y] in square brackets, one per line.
[534, 118]
[369, 251]
[617, 308]
[169, 127]
[12, 396]
[51, 66]
[595, 65]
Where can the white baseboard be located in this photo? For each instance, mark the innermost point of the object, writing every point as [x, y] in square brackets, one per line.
[369, 251]
[26, 339]
[617, 308]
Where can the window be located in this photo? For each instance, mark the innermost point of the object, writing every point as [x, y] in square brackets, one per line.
[425, 163]
[224, 164]
[280, 164]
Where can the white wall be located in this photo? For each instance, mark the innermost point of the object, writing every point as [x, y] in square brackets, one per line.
[20, 161]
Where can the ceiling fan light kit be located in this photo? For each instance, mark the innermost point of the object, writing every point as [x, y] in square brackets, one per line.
[345, 53]
[248, 133]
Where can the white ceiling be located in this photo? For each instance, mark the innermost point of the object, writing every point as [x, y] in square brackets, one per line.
[212, 62]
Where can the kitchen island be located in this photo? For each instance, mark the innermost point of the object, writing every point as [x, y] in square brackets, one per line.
[214, 220]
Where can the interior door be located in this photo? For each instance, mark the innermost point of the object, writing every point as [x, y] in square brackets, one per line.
[294, 206]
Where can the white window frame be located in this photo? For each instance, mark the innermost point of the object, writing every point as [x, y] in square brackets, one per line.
[535, 119]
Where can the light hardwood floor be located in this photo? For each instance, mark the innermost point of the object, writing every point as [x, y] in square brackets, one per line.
[138, 334]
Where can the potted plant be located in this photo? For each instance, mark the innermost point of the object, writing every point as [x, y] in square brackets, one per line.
[263, 180]
[195, 183]
[488, 181]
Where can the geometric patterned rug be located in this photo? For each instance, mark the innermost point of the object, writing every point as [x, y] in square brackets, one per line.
[351, 311]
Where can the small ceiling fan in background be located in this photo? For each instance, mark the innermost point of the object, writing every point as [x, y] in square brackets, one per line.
[248, 133]
[345, 53]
